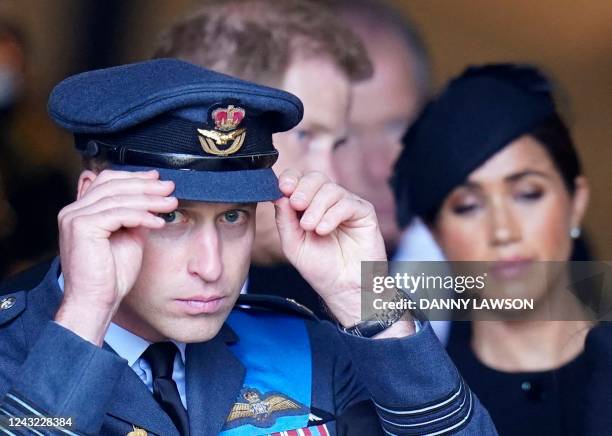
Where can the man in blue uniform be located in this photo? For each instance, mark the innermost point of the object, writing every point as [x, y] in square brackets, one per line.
[134, 330]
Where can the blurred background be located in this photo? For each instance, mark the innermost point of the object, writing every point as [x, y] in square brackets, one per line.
[42, 42]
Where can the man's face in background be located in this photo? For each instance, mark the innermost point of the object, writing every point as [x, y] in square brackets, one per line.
[382, 108]
[299, 47]
[325, 92]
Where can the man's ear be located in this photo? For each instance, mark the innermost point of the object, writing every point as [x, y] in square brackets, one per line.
[85, 180]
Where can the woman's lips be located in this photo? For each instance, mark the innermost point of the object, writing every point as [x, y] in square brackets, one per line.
[511, 268]
[199, 305]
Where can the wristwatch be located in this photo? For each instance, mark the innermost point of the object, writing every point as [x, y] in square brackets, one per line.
[381, 321]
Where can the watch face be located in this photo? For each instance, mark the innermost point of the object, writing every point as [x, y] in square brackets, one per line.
[382, 319]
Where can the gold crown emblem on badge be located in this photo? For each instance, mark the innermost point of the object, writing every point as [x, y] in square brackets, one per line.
[226, 129]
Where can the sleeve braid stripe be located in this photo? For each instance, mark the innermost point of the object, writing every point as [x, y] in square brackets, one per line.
[445, 431]
[431, 408]
[431, 421]
[22, 408]
[10, 415]
[5, 431]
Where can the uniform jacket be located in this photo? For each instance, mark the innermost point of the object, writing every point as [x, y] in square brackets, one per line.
[47, 370]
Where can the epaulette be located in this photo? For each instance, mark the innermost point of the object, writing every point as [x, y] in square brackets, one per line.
[11, 305]
[13, 290]
[273, 303]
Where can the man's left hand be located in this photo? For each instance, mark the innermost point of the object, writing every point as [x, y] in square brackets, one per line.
[326, 232]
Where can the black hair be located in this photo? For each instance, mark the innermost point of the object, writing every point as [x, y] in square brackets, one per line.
[555, 137]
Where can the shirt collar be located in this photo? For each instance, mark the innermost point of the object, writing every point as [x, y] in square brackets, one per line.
[125, 343]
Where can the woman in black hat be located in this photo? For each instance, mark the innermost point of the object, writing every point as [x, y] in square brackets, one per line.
[491, 168]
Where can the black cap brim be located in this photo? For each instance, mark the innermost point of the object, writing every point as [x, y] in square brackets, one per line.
[249, 186]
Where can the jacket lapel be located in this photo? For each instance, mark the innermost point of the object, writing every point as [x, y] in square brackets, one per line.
[214, 378]
[132, 402]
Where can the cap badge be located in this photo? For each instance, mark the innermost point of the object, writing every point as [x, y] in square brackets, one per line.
[226, 122]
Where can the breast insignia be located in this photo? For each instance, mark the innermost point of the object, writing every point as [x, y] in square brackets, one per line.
[262, 410]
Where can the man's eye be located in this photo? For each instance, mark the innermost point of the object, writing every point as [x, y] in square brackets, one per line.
[172, 217]
[339, 143]
[234, 216]
[303, 135]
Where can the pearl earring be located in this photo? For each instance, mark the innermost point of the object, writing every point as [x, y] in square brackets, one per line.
[575, 232]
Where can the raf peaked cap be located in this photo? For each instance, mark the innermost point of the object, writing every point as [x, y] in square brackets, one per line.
[476, 115]
[208, 132]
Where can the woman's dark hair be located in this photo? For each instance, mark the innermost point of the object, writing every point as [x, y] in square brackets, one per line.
[555, 137]
[482, 111]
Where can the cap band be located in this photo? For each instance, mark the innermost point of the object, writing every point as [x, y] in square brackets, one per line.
[125, 156]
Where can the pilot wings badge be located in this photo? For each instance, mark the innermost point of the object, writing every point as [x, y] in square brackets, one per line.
[226, 130]
[262, 410]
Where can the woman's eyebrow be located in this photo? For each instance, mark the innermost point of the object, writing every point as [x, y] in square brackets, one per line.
[470, 186]
[517, 176]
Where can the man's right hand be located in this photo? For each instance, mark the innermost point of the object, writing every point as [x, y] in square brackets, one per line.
[102, 237]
